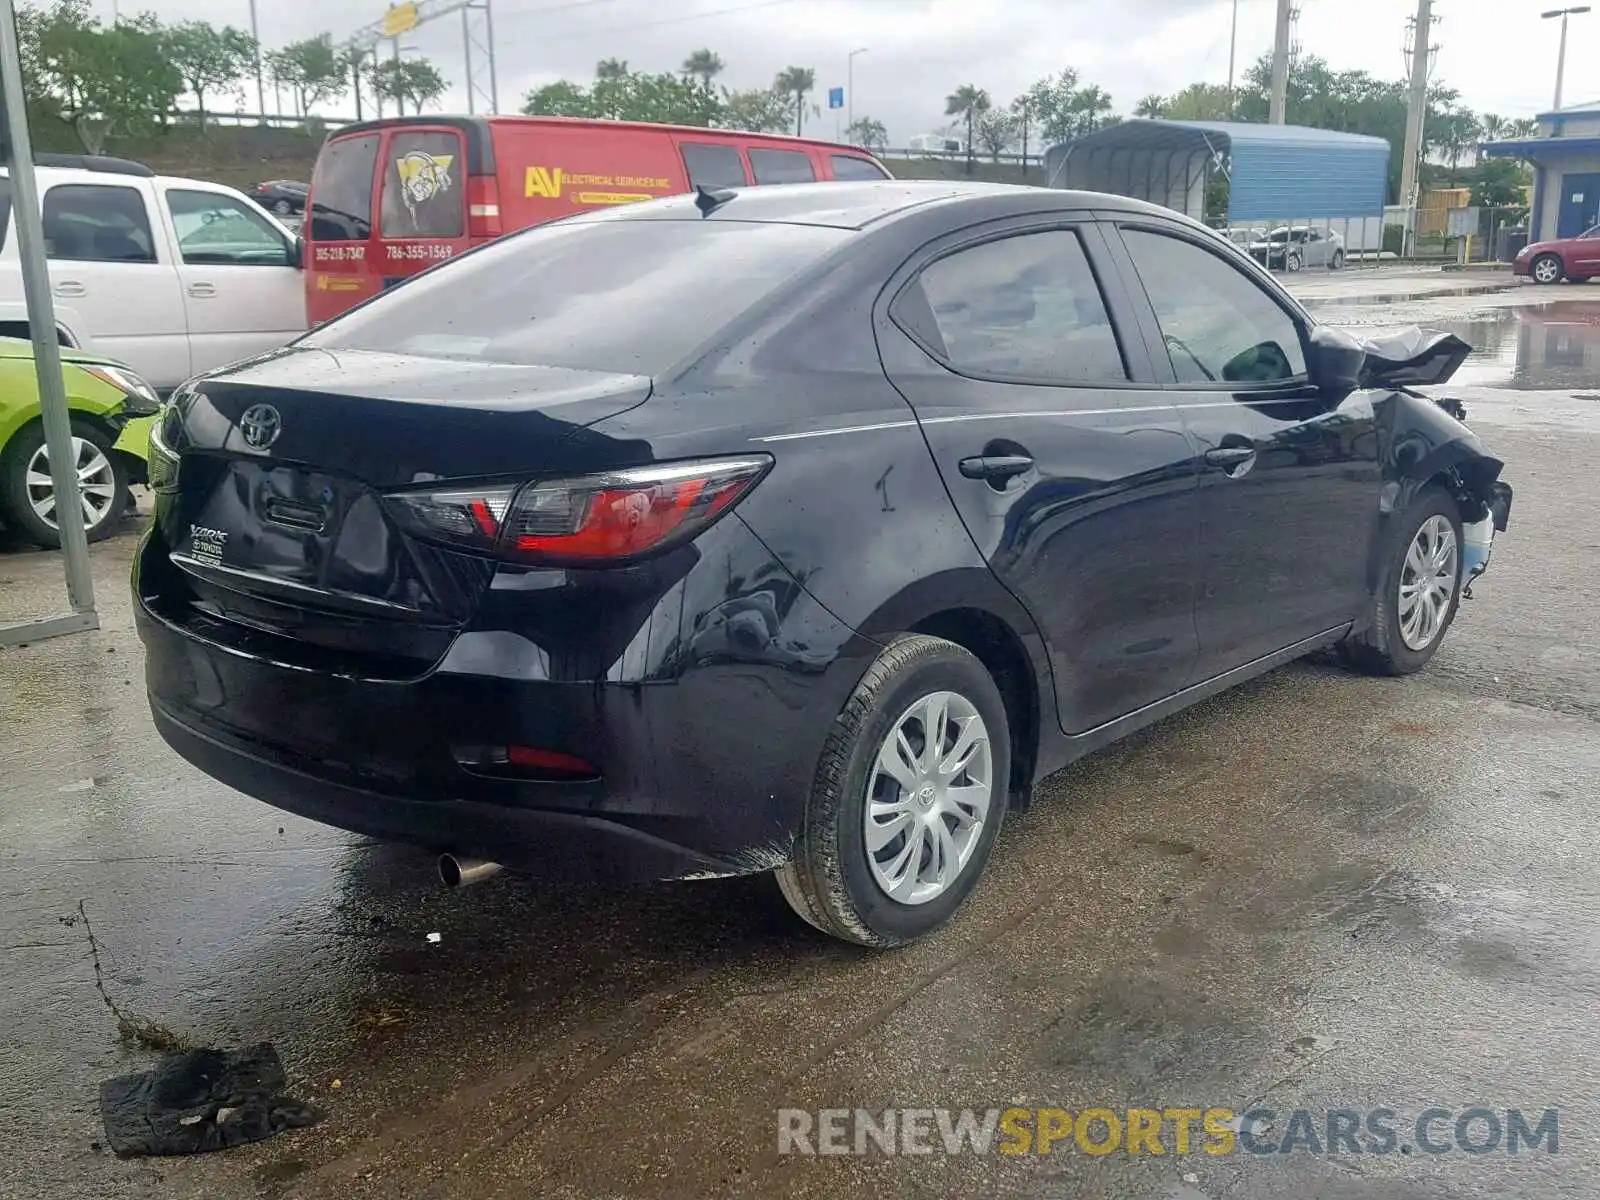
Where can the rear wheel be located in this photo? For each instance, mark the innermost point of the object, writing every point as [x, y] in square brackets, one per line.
[1419, 592]
[908, 798]
[1546, 269]
[29, 494]
[282, 207]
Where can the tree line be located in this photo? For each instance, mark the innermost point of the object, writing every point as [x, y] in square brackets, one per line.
[126, 78]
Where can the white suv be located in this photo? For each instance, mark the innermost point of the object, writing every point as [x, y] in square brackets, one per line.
[171, 276]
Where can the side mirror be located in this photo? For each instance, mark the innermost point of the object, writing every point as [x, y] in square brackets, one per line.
[297, 253]
[1334, 359]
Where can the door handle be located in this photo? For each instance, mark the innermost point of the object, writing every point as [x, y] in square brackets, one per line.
[1234, 461]
[70, 287]
[202, 289]
[996, 468]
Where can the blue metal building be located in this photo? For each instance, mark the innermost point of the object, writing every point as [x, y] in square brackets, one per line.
[1276, 172]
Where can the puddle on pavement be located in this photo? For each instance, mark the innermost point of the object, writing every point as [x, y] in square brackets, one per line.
[1554, 346]
[1474, 289]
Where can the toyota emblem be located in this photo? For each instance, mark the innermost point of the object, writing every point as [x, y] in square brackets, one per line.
[260, 426]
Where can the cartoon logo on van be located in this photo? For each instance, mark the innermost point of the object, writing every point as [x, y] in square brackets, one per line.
[422, 177]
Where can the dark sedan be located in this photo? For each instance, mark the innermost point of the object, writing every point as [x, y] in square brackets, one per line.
[283, 196]
[796, 529]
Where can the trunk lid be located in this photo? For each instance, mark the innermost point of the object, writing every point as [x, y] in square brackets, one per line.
[278, 528]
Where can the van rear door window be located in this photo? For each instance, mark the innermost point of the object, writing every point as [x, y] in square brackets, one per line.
[341, 190]
[713, 166]
[423, 192]
[781, 166]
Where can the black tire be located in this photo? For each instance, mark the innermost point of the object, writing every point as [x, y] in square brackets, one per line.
[282, 207]
[19, 514]
[829, 882]
[1293, 262]
[1551, 261]
[1337, 261]
[1380, 649]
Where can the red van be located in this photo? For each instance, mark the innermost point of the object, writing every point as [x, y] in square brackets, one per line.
[392, 197]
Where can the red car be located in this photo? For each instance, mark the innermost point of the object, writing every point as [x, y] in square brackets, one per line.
[1574, 258]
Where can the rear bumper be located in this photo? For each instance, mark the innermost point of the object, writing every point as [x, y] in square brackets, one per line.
[562, 845]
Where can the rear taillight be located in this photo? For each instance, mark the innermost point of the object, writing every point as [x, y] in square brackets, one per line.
[591, 520]
[483, 207]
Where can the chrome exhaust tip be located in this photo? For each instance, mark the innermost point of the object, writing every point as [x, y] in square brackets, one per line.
[461, 872]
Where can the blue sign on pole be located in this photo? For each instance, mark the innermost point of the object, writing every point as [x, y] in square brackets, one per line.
[835, 97]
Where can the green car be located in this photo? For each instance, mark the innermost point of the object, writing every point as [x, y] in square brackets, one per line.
[112, 411]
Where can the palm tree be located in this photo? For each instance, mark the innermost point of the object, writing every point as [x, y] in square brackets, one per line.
[1494, 125]
[611, 68]
[703, 65]
[1151, 106]
[796, 81]
[968, 102]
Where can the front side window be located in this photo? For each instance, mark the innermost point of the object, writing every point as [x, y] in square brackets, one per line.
[89, 222]
[781, 166]
[424, 192]
[713, 166]
[217, 229]
[1218, 324]
[341, 190]
[1023, 307]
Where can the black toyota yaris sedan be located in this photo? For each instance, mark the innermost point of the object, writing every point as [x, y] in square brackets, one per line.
[796, 529]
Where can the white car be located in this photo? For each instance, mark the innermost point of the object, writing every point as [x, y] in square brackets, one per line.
[171, 276]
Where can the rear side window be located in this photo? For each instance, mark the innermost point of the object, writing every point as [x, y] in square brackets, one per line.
[677, 282]
[713, 166]
[87, 222]
[1026, 307]
[781, 166]
[423, 192]
[848, 166]
[341, 190]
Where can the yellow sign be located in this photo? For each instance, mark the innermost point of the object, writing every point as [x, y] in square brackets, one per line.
[401, 18]
[551, 182]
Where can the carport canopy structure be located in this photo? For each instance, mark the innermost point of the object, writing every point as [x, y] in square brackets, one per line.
[1275, 171]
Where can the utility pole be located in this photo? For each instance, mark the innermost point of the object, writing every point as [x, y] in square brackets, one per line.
[261, 83]
[1416, 110]
[850, 89]
[1233, 54]
[1280, 63]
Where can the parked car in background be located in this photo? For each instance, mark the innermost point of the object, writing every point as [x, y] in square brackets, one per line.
[112, 410]
[792, 529]
[1293, 249]
[283, 196]
[1575, 259]
[171, 276]
[391, 198]
[1244, 236]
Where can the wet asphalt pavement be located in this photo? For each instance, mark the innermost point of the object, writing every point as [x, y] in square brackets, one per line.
[1316, 892]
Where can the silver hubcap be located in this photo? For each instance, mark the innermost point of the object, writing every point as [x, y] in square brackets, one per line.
[97, 484]
[1428, 583]
[928, 798]
[1545, 271]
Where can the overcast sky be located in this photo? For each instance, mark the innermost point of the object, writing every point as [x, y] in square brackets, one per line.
[1499, 53]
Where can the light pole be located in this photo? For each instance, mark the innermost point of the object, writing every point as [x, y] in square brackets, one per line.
[1561, 60]
[1233, 54]
[850, 88]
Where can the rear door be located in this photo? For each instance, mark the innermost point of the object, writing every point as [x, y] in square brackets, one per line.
[242, 291]
[422, 200]
[1289, 483]
[342, 267]
[1067, 464]
[108, 264]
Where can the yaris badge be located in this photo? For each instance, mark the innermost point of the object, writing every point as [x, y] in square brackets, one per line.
[260, 426]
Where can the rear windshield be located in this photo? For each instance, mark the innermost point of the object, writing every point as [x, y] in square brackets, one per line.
[423, 196]
[609, 295]
[341, 189]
